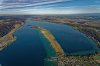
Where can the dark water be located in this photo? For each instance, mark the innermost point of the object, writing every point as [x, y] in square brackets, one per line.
[70, 39]
[29, 49]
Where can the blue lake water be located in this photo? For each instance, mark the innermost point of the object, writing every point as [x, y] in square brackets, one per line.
[29, 49]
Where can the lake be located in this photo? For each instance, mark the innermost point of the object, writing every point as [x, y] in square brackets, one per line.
[29, 49]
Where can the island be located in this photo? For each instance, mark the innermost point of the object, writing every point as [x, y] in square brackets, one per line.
[62, 59]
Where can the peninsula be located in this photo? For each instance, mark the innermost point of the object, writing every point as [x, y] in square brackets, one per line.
[86, 25]
[7, 29]
[61, 58]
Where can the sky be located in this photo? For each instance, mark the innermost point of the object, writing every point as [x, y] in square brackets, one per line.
[49, 6]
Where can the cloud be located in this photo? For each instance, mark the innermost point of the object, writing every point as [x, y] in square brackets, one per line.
[48, 6]
[23, 3]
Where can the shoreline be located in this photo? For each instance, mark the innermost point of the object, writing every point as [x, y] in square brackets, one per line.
[51, 39]
[77, 29]
[62, 59]
[9, 38]
[50, 52]
[59, 53]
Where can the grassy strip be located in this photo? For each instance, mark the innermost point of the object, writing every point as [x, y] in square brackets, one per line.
[63, 59]
[51, 45]
[52, 40]
[50, 51]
